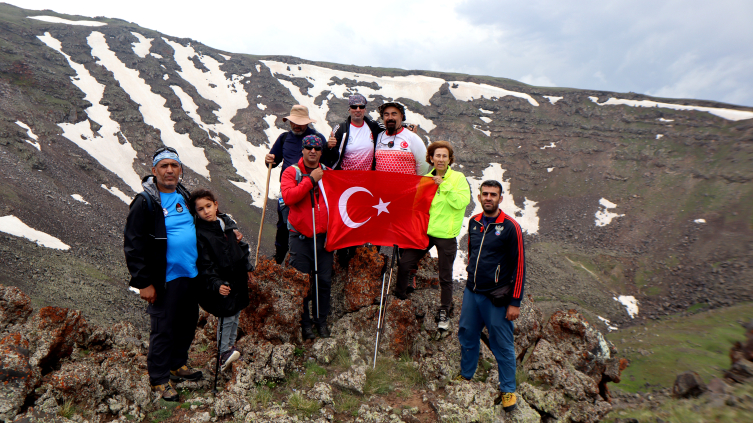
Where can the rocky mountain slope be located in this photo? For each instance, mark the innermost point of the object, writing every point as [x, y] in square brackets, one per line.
[622, 196]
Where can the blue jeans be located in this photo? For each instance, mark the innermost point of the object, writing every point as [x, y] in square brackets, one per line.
[478, 311]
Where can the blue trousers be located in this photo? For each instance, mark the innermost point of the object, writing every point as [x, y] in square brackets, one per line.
[478, 311]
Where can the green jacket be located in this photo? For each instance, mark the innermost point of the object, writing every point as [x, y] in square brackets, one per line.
[448, 207]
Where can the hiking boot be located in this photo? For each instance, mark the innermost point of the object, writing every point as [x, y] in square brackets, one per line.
[508, 401]
[307, 333]
[185, 373]
[460, 378]
[323, 331]
[228, 357]
[444, 320]
[166, 391]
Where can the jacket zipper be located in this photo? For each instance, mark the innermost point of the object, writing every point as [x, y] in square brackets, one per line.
[477, 258]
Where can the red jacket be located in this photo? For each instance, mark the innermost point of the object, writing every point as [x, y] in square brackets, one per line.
[298, 199]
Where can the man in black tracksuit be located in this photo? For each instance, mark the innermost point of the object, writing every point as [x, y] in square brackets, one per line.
[494, 290]
[287, 150]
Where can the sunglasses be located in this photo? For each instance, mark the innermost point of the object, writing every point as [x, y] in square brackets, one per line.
[311, 147]
[358, 106]
[161, 149]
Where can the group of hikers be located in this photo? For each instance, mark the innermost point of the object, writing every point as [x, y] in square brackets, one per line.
[189, 253]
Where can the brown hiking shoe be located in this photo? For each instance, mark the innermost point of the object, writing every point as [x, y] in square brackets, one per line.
[185, 373]
[508, 401]
[166, 391]
[460, 378]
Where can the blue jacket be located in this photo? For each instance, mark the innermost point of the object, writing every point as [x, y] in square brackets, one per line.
[496, 256]
[287, 148]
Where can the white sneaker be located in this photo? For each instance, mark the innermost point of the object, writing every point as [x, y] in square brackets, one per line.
[233, 356]
[444, 321]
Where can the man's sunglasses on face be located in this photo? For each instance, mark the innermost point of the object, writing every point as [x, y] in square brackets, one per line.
[170, 149]
[311, 147]
[358, 106]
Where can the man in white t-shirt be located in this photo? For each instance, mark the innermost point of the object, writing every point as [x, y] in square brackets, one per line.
[351, 144]
[398, 149]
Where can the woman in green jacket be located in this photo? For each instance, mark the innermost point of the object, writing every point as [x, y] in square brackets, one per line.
[445, 219]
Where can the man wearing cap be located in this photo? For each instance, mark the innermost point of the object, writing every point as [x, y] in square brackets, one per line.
[160, 250]
[397, 149]
[351, 144]
[297, 183]
[287, 149]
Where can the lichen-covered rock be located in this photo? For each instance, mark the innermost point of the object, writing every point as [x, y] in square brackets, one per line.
[438, 368]
[549, 365]
[121, 335]
[324, 349]
[427, 274]
[276, 303]
[551, 402]
[451, 412]
[523, 413]
[527, 327]
[15, 308]
[466, 394]
[17, 376]
[37, 416]
[53, 332]
[688, 385]
[354, 379]
[321, 392]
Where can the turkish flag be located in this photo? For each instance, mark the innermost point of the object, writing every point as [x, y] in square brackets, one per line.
[383, 208]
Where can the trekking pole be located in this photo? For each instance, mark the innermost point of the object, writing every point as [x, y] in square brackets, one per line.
[316, 262]
[217, 366]
[263, 213]
[382, 300]
[219, 344]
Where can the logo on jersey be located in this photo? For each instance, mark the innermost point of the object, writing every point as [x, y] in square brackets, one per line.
[498, 230]
[179, 208]
[404, 144]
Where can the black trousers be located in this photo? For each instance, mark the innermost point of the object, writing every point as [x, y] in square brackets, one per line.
[281, 237]
[302, 259]
[174, 316]
[447, 248]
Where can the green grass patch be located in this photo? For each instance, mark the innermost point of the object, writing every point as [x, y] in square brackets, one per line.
[660, 351]
[302, 407]
[342, 358]
[347, 403]
[260, 397]
[379, 380]
[698, 410]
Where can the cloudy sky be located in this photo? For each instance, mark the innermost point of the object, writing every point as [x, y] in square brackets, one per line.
[667, 48]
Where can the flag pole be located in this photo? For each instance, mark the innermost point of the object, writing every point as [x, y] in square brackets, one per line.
[263, 213]
[382, 303]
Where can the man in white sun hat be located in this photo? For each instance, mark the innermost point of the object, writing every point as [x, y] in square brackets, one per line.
[287, 149]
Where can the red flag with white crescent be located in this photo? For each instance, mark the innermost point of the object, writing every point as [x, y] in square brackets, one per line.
[382, 208]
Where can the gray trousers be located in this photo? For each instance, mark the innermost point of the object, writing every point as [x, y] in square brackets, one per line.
[229, 331]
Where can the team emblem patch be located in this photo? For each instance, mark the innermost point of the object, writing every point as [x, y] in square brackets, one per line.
[404, 144]
[498, 230]
[179, 208]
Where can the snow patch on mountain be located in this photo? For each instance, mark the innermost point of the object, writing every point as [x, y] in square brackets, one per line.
[55, 19]
[118, 193]
[551, 145]
[485, 119]
[469, 91]
[552, 99]
[728, 114]
[79, 198]
[230, 95]
[416, 87]
[485, 111]
[604, 216]
[630, 303]
[141, 47]
[700, 221]
[659, 136]
[104, 145]
[14, 226]
[30, 134]
[152, 106]
[487, 133]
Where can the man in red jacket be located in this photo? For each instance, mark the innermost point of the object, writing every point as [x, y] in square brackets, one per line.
[297, 183]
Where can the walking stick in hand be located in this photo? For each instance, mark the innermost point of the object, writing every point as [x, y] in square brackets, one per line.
[316, 262]
[383, 302]
[263, 213]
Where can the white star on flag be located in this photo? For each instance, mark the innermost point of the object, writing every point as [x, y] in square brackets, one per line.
[382, 207]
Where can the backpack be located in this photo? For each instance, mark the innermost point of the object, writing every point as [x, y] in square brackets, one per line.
[284, 209]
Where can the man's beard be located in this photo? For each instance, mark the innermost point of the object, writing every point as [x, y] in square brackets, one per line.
[391, 126]
[298, 132]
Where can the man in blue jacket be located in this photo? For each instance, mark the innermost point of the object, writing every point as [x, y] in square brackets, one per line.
[496, 277]
[287, 149]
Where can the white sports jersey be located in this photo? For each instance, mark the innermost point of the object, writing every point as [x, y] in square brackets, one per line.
[403, 152]
[360, 148]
